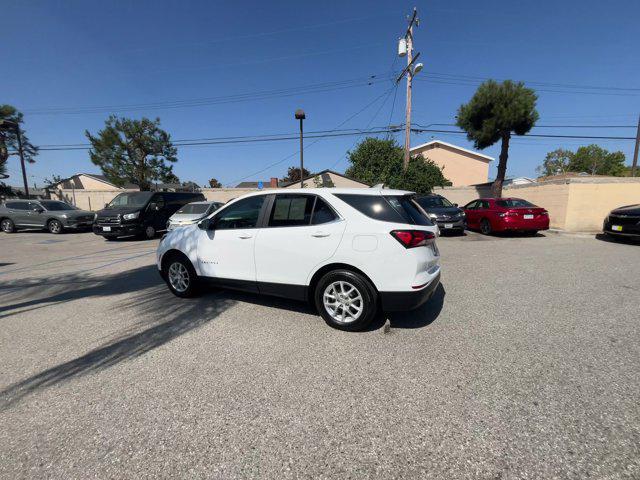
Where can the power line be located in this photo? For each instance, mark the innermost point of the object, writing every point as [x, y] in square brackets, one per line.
[475, 83]
[205, 101]
[586, 137]
[543, 126]
[312, 134]
[370, 122]
[337, 133]
[531, 82]
[312, 143]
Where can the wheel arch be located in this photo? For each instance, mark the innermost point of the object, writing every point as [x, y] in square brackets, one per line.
[172, 253]
[318, 274]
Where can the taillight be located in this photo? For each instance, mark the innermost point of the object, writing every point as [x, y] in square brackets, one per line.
[413, 238]
[544, 213]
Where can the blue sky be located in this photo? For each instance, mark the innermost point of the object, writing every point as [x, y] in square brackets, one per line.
[78, 54]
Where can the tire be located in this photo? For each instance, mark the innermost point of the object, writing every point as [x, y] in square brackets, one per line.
[354, 291]
[180, 276]
[55, 226]
[149, 233]
[485, 226]
[7, 225]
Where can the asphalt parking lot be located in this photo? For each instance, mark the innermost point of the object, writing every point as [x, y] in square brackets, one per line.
[526, 364]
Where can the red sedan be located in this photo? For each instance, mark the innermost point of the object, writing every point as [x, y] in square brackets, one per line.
[505, 214]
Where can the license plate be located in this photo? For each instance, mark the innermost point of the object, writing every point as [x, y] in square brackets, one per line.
[448, 225]
[528, 217]
[106, 229]
[616, 228]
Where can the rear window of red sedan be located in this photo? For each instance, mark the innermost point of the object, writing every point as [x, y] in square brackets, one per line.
[514, 203]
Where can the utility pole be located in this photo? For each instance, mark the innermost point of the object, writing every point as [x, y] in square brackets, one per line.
[301, 116]
[634, 165]
[405, 47]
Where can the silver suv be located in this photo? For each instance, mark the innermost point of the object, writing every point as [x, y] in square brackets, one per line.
[53, 215]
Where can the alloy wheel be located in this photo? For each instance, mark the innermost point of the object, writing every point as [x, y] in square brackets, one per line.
[343, 302]
[6, 226]
[179, 277]
[55, 226]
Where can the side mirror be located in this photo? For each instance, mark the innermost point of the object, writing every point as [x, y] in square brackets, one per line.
[37, 209]
[455, 204]
[106, 205]
[154, 206]
[205, 224]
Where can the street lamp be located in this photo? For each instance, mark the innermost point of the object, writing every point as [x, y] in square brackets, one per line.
[301, 116]
[6, 125]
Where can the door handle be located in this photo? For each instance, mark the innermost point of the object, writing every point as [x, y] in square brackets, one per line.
[320, 234]
[244, 236]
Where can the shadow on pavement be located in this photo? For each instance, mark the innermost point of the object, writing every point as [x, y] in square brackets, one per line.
[164, 318]
[423, 316]
[624, 240]
[69, 287]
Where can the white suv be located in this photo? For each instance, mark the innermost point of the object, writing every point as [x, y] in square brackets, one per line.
[349, 251]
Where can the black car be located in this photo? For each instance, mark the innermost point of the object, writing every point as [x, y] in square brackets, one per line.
[441, 211]
[623, 222]
[141, 214]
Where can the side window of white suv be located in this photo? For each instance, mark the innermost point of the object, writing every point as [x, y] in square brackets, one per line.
[291, 210]
[242, 214]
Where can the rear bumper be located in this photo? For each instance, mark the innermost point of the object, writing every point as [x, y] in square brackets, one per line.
[118, 230]
[522, 225]
[403, 301]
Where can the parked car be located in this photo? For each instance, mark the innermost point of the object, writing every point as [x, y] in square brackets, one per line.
[141, 214]
[192, 213]
[623, 222]
[53, 215]
[346, 250]
[505, 214]
[447, 215]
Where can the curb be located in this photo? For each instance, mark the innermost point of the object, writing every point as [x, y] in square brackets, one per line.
[564, 233]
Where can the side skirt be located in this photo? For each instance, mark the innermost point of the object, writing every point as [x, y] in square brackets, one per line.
[284, 290]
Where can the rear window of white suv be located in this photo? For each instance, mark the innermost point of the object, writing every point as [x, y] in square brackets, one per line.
[387, 208]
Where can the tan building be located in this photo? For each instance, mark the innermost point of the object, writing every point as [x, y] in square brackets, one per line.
[459, 165]
[88, 181]
[327, 178]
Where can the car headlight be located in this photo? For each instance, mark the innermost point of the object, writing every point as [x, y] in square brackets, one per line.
[433, 215]
[64, 215]
[130, 216]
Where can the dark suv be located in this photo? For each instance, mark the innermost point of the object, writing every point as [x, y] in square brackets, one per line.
[140, 213]
[53, 215]
[441, 211]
